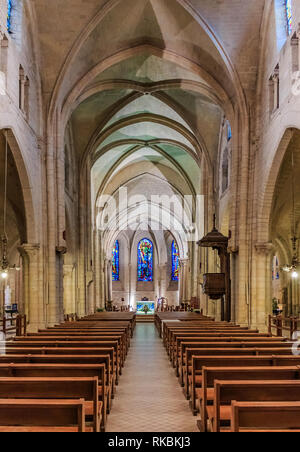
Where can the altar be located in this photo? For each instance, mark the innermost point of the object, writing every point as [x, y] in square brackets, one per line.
[140, 307]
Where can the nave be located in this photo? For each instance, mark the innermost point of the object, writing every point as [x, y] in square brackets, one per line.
[149, 397]
[106, 373]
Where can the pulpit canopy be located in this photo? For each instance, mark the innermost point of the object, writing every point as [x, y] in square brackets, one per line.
[214, 239]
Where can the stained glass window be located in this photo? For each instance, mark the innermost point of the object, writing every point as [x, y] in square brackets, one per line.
[275, 269]
[288, 7]
[175, 261]
[145, 261]
[229, 132]
[9, 11]
[116, 262]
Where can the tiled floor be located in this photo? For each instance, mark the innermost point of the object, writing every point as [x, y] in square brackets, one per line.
[149, 397]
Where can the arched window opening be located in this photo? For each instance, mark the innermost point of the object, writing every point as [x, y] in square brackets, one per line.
[225, 171]
[116, 262]
[175, 261]
[9, 16]
[229, 131]
[275, 269]
[145, 261]
[289, 16]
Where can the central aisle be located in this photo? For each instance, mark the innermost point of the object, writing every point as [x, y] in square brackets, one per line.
[149, 397]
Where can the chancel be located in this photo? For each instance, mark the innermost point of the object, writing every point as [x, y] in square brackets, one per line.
[149, 216]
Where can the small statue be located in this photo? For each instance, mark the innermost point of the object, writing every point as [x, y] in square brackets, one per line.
[146, 309]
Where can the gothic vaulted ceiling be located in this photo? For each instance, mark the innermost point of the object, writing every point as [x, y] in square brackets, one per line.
[146, 84]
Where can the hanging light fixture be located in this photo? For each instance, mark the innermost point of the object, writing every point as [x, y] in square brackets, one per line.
[5, 267]
[293, 267]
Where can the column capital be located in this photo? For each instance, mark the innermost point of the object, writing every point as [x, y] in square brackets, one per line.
[68, 269]
[29, 249]
[264, 248]
[233, 249]
[61, 249]
[184, 262]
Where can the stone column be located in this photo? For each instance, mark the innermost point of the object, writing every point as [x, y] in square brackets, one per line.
[34, 307]
[22, 90]
[163, 280]
[97, 275]
[109, 279]
[262, 297]
[183, 283]
[69, 302]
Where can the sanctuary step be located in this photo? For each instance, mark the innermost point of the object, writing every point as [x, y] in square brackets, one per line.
[145, 318]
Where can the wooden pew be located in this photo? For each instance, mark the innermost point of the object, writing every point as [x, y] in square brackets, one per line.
[57, 388]
[44, 416]
[63, 347]
[49, 351]
[281, 417]
[64, 371]
[277, 342]
[208, 332]
[219, 414]
[68, 359]
[182, 360]
[75, 341]
[213, 333]
[205, 394]
[199, 362]
[86, 336]
[187, 369]
[84, 333]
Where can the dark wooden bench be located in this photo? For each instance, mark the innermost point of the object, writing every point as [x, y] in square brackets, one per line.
[75, 341]
[225, 392]
[199, 362]
[64, 371]
[65, 348]
[281, 417]
[205, 395]
[213, 332]
[171, 345]
[68, 359]
[182, 361]
[57, 388]
[45, 416]
[85, 334]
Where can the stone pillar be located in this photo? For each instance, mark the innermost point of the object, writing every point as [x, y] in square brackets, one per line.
[183, 283]
[102, 279]
[69, 301]
[262, 297]
[163, 281]
[97, 275]
[109, 279]
[34, 307]
[22, 90]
